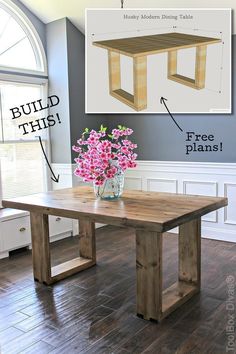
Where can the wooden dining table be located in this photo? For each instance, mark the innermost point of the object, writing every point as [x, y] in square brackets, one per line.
[139, 48]
[149, 213]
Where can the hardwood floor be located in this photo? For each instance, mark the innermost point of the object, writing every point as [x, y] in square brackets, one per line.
[94, 311]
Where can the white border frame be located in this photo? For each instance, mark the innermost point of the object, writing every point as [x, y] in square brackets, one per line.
[32, 35]
[150, 9]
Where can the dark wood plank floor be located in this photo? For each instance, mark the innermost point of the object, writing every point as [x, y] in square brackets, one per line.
[94, 311]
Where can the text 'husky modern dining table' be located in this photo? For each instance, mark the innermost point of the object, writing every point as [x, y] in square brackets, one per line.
[139, 48]
[149, 213]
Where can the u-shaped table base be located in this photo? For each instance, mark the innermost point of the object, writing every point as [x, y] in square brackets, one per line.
[200, 69]
[138, 100]
[138, 48]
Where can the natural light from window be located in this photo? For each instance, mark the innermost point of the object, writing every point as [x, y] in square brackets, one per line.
[15, 48]
[22, 164]
[22, 168]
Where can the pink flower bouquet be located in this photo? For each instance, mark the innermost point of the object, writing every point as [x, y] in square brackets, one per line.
[104, 157]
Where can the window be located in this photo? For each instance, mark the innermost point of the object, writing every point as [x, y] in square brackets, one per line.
[15, 47]
[21, 52]
[20, 45]
[22, 164]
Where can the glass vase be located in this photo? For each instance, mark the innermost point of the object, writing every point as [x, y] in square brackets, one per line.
[112, 188]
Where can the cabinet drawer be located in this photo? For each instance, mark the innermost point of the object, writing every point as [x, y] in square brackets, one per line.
[15, 233]
[59, 225]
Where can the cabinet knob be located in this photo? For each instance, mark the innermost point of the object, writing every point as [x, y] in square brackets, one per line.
[22, 229]
[58, 219]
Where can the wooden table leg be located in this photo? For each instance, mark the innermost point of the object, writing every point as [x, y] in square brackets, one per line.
[40, 247]
[190, 253]
[188, 283]
[198, 82]
[114, 71]
[149, 274]
[87, 241]
[140, 83]
[172, 63]
[138, 100]
[43, 272]
[200, 66]
[152, 302]
[87, 253]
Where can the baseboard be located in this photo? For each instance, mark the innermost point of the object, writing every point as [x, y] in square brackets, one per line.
[4, 255]
[60, 236]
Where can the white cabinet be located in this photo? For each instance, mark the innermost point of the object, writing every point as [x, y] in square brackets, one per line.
[15, 230]
[59, 225]
[15, 233]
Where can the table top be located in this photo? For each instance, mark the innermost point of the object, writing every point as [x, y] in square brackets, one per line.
[152, 210]
[158, 43]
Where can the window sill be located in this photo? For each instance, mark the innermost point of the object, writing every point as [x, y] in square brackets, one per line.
[9, 214]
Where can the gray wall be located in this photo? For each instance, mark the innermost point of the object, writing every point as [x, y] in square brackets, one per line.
[66, 62]
[157, 136]
[76, 73]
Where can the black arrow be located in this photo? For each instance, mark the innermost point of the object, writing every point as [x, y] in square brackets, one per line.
[54, 178]
[162, 100]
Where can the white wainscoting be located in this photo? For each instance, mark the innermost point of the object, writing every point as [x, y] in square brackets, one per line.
[67, 180]
[199, 178]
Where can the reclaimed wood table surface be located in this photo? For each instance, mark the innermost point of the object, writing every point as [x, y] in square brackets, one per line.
[149, 213]
[139, 48]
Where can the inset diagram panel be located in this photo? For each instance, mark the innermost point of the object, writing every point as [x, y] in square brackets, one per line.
[189, 57]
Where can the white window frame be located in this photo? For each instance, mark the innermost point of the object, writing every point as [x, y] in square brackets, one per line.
[46, 133]
[31, 34]
[27, 76]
